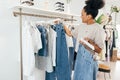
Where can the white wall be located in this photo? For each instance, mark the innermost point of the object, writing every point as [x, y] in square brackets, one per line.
[9, 42]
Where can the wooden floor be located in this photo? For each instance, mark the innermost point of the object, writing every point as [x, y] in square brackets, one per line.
[115, 72]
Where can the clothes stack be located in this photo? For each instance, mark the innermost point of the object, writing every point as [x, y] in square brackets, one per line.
[27, 2]
[59, 6]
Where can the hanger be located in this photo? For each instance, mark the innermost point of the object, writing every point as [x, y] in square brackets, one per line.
[71, 26]
[42, 23]
[55, 21]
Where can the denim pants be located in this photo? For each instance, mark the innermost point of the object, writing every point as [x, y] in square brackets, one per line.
[62, 68]
[74, 56]
[44, 38]
[85, 66]
[71, 58]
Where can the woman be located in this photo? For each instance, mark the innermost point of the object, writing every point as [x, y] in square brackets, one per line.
[90, 31]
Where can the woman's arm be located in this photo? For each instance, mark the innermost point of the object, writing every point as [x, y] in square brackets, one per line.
[96, 47]
[68, 32]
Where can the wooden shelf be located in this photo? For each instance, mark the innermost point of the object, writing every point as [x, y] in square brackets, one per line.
[34, 10]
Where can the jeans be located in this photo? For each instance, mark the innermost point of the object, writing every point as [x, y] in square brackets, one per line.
[85, 67]
[62, 69]
[44, 38]
[75, 54]
[71, 58]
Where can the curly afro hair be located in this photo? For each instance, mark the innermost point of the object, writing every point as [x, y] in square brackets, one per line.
[92, 7]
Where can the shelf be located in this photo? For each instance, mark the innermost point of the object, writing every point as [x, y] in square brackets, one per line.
[34, 10]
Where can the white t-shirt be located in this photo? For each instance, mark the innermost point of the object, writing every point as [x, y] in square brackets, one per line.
[28, 52]
[36, 38]
[94, 32]
[52, 45]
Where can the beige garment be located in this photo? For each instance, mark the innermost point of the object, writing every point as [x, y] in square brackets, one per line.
[94, 31]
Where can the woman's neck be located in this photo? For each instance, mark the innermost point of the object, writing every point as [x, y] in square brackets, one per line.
[92, 21]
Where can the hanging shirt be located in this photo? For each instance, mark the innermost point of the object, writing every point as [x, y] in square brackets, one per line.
[44, 37]
[107, 31]
[69, 41]
[94, 32]
[39, 74]
[36, 38]
[28, 52]
[46, 63]
[52, 45]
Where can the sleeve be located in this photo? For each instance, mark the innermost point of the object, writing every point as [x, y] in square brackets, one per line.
[100, 38]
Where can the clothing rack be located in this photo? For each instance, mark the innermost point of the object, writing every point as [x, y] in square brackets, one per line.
[34, 12]
[43, 16]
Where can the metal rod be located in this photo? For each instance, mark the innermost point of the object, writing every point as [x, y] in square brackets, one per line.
[115, 19]
[20, 1]
[109, 75]
[104, 76]
[72, 19]
[43, 16]
[21, 54]
[108, 53]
